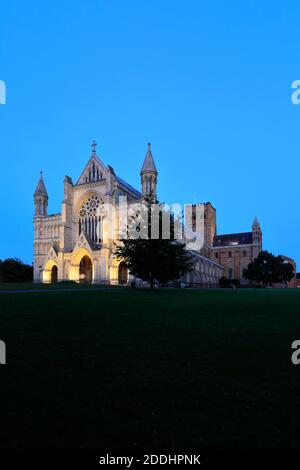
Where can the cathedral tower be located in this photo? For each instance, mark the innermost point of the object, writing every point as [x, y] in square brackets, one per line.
[149, 174]
[256, 232]
[256, 238]
[201, 220]
[41, 198]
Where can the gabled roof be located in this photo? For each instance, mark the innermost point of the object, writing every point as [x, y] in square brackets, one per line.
[233, 239]
[51, 255]
[85, 242]
[128, 186]
[41, 188]
[107, 170]
[149, 164]
[94, 158]
[204, 258]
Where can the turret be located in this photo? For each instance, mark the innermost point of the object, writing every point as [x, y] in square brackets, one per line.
[256, 232]
[41, 198]
[149, 174]
[66, 215]
[256, 238]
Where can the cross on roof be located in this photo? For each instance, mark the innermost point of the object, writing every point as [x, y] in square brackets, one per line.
[94, 144]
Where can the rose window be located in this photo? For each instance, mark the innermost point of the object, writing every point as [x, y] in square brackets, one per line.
[90, 206]
[90, 219]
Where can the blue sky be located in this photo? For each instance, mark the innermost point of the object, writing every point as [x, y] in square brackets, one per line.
[207, 83]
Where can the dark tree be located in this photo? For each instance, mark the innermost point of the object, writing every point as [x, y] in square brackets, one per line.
[267, 269]
[285, 271]
[14, 270]
[151, 256]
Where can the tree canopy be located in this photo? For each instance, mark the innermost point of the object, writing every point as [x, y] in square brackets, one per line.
[268, 269]
[153, 256]
[14, 270]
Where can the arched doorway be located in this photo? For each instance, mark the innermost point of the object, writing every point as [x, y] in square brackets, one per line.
[86, 270]
[50, 271]
[122, 273]
[54, 273]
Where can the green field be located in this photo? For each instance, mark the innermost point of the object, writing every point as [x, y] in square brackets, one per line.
[139, 370]
[4, 286]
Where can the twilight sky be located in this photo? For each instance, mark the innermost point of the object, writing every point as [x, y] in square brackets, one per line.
[207, 83]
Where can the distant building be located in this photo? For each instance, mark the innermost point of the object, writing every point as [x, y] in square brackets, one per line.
[236, 251]
[233, 251]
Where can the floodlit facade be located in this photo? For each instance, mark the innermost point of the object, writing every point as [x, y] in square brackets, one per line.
[77, 243]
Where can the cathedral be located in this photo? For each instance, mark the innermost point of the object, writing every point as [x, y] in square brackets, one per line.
[77, 244]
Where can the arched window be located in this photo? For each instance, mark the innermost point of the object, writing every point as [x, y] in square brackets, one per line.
[90, 219]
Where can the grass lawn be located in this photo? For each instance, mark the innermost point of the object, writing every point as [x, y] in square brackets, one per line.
[139, 370]
[55, 286]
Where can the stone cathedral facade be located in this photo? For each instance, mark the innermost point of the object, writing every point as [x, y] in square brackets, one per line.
[77, 243]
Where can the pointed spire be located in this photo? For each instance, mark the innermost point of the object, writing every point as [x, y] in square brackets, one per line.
[41, 188]
[255, 222]
[149, 164]
[149, 174]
